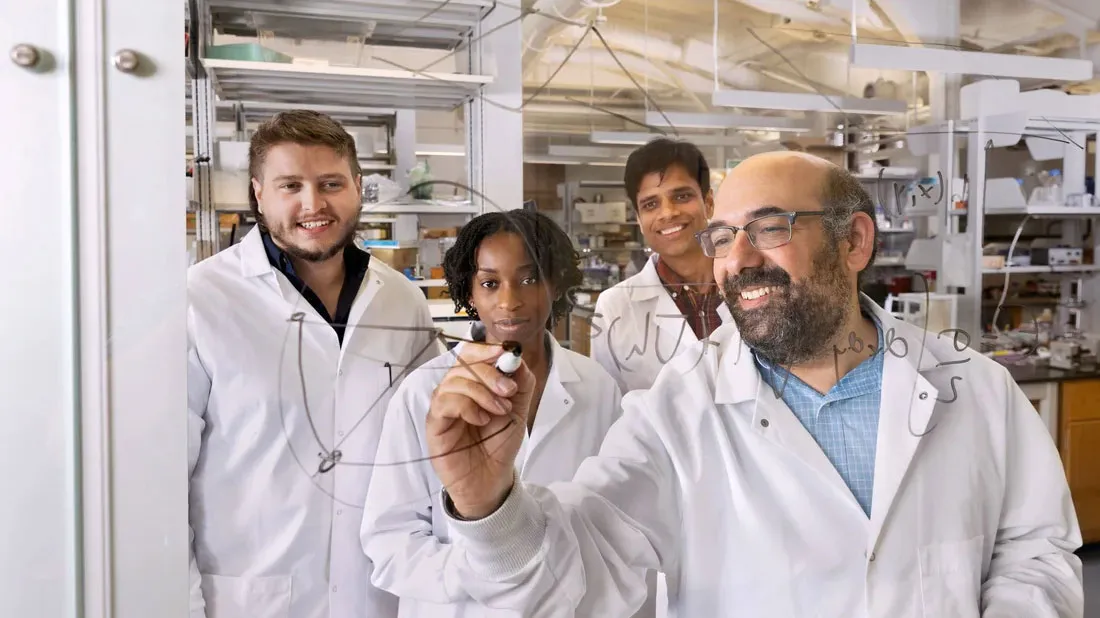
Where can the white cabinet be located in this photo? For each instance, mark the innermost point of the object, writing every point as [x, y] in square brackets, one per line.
[1044, 397]
[92, 306]
[37, 303]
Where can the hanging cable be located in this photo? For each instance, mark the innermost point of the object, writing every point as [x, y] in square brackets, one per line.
[714, 45]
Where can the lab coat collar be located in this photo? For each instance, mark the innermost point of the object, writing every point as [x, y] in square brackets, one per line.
[558, 398]
[646, 284]
[254, 260]
[255, 263]
[905, 412]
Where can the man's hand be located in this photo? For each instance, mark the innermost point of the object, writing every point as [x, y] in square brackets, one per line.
[475, 426]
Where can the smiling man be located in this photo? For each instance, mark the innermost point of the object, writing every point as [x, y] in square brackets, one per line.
[297, 339]
[673, 304]
[788, 479]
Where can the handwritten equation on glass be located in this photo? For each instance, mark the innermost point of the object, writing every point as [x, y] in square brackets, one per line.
[893, 343]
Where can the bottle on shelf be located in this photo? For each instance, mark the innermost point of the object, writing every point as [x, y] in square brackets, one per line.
[1045, 326]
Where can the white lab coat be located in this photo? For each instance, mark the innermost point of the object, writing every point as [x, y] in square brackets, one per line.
[710, 478]
[270, 541]
[404, 532]
[637, 329]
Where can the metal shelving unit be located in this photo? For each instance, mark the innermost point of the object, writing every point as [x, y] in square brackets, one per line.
[307, 85]
[1054, 126]
[412, 23]
[256, 90]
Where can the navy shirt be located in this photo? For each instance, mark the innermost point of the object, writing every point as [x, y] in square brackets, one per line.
[355, 269]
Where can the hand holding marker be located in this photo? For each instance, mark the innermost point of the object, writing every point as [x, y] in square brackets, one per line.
[509, 362]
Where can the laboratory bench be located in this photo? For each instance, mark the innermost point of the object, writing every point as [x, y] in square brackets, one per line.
[1068, 401]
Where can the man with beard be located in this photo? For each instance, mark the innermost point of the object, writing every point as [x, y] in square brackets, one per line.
[297, 340]
[835, 462]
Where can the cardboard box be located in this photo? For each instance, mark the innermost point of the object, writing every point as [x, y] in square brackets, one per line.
[438, 292]
[606, 212]
[432, 233]
[398, 259]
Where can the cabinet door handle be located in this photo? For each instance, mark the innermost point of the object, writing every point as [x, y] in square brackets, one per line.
[25, 55]
[127, 60]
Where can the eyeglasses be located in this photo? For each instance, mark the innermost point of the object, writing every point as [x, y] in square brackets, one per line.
[767, 232]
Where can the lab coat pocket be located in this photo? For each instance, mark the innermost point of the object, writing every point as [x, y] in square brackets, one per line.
[951, 578]
[246, 597]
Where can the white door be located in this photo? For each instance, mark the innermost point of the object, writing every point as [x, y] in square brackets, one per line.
[92, 302]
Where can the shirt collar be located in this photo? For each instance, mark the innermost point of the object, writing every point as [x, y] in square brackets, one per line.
[674, 282]
[776, 375]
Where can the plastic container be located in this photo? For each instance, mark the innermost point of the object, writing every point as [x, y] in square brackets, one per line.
[1046, 326]
[252, 52]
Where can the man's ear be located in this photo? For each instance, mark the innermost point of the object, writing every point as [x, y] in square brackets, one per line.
[861, 241]
[257, 188]
[359, 184]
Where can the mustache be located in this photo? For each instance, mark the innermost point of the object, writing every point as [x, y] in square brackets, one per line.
[756, 277]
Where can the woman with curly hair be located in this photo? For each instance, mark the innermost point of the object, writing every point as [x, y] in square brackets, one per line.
[514, 272]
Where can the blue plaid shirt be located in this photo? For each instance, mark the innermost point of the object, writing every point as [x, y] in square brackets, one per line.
[844, 421]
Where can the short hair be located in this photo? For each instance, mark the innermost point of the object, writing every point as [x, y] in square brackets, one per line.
[658, 155]
[842, 196]
[547, 245]
[296, 126]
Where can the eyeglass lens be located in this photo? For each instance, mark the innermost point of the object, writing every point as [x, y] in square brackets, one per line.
[764, 233]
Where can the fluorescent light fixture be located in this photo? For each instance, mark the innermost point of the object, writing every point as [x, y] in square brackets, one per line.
[627, 138]
[562, 150]
[441, 150]
[807, 102]
[624, 138]
[907, 58]
[555, 160]
[691, 120]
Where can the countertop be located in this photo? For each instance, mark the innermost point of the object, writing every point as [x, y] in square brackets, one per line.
[1031, 374]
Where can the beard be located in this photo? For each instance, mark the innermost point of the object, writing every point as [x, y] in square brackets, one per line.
[283, 235]
[800, 319]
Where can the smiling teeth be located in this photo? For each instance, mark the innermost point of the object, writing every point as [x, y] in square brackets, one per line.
[672, 230]
[757, 293]
[310, 225]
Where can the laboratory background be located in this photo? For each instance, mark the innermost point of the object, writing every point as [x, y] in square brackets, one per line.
[973, 124]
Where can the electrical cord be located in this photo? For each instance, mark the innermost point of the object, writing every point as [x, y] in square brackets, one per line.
[1008, 274]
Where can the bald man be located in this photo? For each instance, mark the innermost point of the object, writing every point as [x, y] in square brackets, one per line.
[831, 461]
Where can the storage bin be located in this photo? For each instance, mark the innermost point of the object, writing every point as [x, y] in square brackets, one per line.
[252, 52]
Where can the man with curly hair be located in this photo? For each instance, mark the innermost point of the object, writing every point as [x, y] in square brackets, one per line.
[513, 272]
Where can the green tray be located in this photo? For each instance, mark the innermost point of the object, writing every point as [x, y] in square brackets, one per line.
[253, 52]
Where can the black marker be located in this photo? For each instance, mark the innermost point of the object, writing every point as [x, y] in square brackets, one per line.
[509, 362]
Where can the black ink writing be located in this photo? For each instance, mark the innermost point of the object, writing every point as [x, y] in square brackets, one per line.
[679, 337]
[634, 347]
[954, 392]
[890, 338]
[955, 343]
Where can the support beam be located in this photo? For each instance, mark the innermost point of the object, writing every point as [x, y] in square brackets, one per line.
[493, 123]
[807, 102]
[404, 144]
[907, 58]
